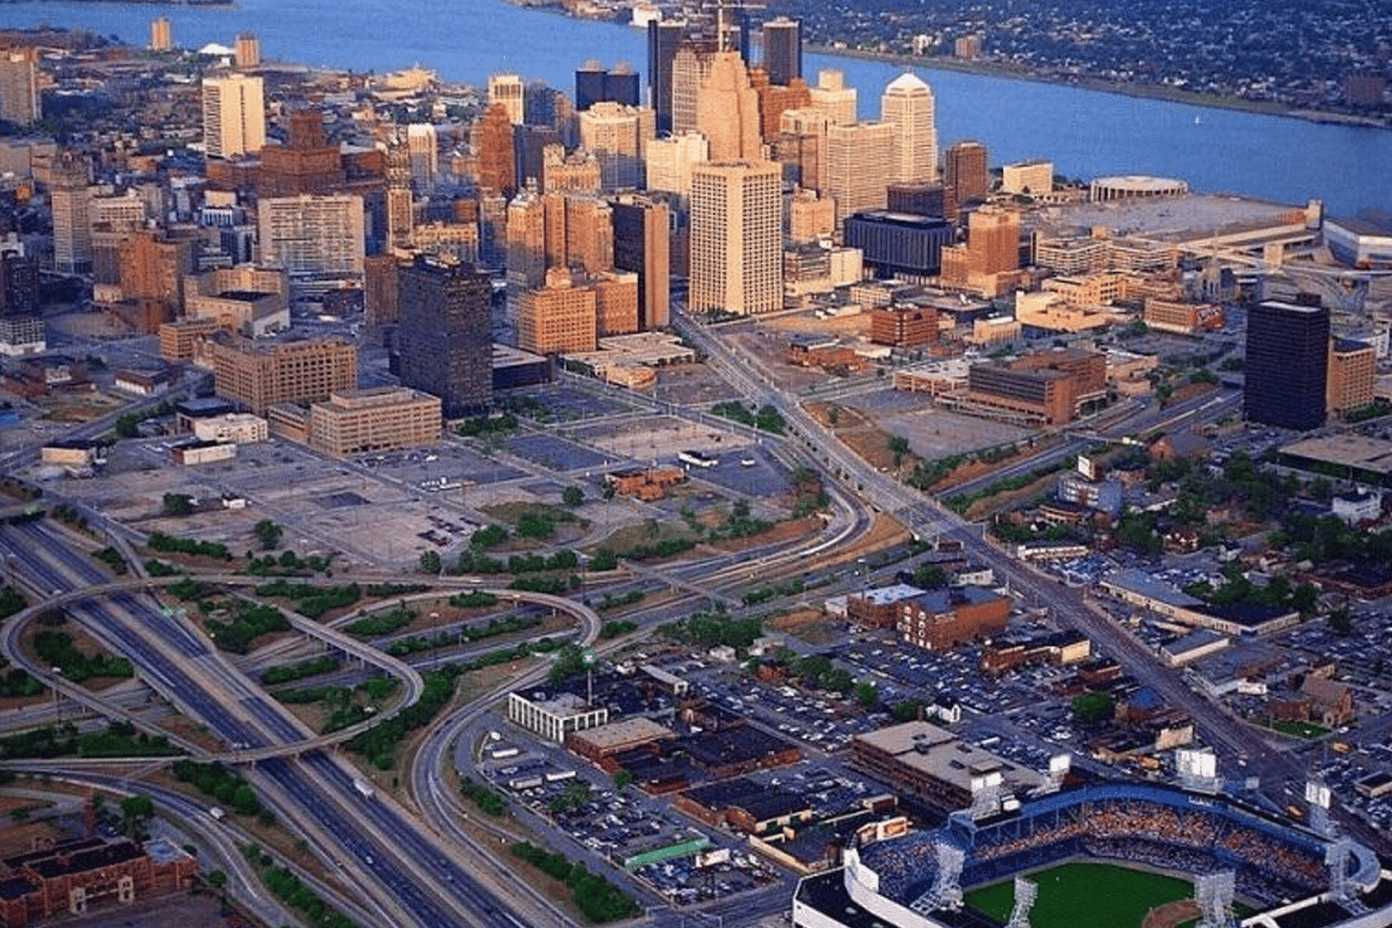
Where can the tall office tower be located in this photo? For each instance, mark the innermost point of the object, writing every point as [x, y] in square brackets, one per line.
[594, 84]
[313, 236]
[234, 115]
[526, 243]
[247, 50]
[529, 145]
[782, 50]
[19, 85]
[444, 338]
[425, 155]
[801, 146]
[577, 172]
[497, 161]
[257, 376]
[774, 101]
[965, 177]
[617, 136]
[690, 68]
[161, 34]
[69, 196]
[642, 245]
[727, 111]
[664, 37]
[401, 202]
[1287, 365]
[993, 240]
[736, 237]
[558, 317]
[908, 103]
[671, 159]
[589, 233]
[860, 166]
[506, 90]
[19, 281]
[152, 269]
[544, 105]
[833, 97]
[1352, 376]
[381, 293]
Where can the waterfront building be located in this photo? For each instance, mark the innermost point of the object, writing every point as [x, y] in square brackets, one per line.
[247, 50]
[234, 115]
[161, 34]
[782, 57]
[1034, 177]
[736, 237]
[1287, 365]
[908, 104]
[833, 97]
[19, 85]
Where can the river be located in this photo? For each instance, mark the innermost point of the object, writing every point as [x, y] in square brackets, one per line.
[1085, 133]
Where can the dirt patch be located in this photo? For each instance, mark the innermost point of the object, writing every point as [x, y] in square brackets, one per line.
[1172, 914]
[1010, 500]
[808, 625]
[193, 731]
[651, 532]
[885, 532]
[782, 531]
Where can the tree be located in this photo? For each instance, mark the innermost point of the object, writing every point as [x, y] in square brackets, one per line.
[572, 496]
[622, 778]
[178, 504]
[136, 811]
[867, 694]
[430, 562]
[216, 879]
[1340, 622]
[1092, 707]
[898, 446]
[127, 426]
[929, 576]
[268, 534]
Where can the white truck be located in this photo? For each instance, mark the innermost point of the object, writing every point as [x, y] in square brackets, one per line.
[364, 787]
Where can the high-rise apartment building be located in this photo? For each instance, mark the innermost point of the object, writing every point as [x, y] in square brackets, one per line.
[497, 162]
[594, 84]
[69, 194]
[833, 97]
[664, 37]
[670, 161]
[860, 166]
[642, 245]
[19, 85]
[908, 103]
[782, 50]
[1287, 365]
[247, 50]
[444, 339]
[506, 90]
[618, 137]
[727, 111]
[313, 236]
[965, 176]
[161, 34]
[234, 115]
[736, 237]
[256, 376]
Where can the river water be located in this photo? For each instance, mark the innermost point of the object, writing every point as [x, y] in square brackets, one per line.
[1085, 133]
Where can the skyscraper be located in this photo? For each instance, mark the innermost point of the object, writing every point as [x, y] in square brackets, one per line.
[594, 84]
[1287, 365]
[19, 85]
[782, 50]
[690, 67]
[507, 90]
[642, 244]
[617, 136]
[248, 50]
[736, 237]
[671, 159]
[425, 155]
[161, 34]
[965, 177]
[313, 236]
[908, 103]
[234, 115]
[663, 39]
[860, 166]
[496, 158]
[727, 112]
[833, 97]
[444, 337]
[70, 196]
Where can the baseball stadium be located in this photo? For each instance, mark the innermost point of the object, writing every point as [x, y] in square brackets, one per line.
[1112, 855]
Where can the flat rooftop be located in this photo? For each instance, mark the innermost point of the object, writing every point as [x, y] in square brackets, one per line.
[1180, 218]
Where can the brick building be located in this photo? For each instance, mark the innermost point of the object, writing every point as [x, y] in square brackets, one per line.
[942, 619]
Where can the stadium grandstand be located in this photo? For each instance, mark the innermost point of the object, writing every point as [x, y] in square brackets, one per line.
[1285, 876]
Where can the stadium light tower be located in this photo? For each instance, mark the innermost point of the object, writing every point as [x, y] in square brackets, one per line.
[1025, 893]
[1214, 894]
[1318, 797]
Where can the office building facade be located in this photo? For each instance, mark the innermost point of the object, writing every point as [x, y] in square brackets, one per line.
[782, 50]
[444, 336]
[1287, 365]
[908, 104]
[234, 115]
[736, 237]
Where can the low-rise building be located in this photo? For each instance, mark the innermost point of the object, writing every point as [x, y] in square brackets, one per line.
[942, 619]
[932, 765]
[238, 428]
[554, 716]
[378, 419]
[202, 452]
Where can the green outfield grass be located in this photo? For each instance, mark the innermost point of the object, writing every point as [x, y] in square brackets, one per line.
[1085, 895]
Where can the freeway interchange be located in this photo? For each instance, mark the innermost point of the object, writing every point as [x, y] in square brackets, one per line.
[419, 866]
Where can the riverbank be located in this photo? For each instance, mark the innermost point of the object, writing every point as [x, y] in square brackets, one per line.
[1082, 82]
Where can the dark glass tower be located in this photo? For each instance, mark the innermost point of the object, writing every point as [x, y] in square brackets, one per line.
[1287, 365]
[782, 50]
[663, 39]
[445, 338]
